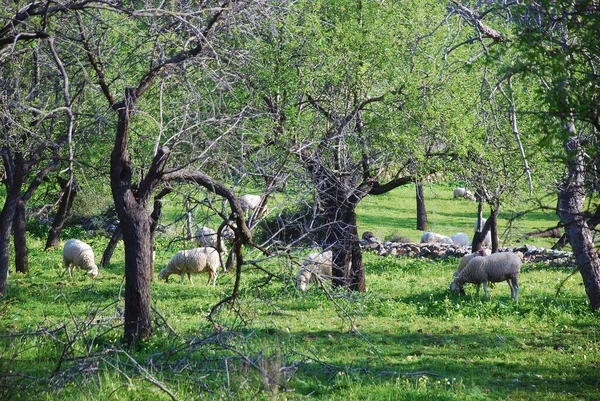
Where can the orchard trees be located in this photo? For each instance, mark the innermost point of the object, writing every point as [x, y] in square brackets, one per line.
[552, 47]
[353, 90]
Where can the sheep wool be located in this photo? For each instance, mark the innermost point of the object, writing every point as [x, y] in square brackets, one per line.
[197, 260]
[77, 253]
[460, 239]
[316, 267]
[467, 258]
[463, 193]
[504, 266]
[207, 237]
[433, 238]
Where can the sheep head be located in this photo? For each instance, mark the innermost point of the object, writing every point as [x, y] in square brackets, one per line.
[457, 288]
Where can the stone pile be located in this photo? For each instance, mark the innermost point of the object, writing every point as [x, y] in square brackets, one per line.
[531, 254]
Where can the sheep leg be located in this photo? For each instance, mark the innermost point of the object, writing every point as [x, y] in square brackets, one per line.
[514, 288]
[485, 289]
[67, 266]
[190, 277]
[478, 286]
[182, 278]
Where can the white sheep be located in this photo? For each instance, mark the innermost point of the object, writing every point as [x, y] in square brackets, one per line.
[77, 253]
[463, 193]
[460, 239]
[487, 241]
[188, 261]
[207, 237]
[316, 267]
[494, 268]
[433, 238]
[250, 202]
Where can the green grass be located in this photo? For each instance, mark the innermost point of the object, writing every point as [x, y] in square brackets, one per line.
[406, 338]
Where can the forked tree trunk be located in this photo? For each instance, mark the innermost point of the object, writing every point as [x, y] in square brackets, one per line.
[131, 206]
[69, 188]
[570, 210]
[19, 233]
[422, 222]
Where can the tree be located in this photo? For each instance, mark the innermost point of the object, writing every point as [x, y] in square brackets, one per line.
[346, 92]
[33, 130]
[553, 46]
[181, 37]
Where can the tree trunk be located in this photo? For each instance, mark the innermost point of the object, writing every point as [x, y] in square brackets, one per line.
[493, 227]
[479, 234]
[6, 221]
[69, 188]
[131, 207]
[342, 237]
[14, 167]
[570, 210]
[19, 233]
[422, 222]
[112, 244]
[137, 239]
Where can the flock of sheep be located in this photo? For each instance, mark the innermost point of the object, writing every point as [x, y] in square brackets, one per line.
[476, 268]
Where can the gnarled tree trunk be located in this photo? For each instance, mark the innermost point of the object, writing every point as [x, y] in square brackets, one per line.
[570, 210]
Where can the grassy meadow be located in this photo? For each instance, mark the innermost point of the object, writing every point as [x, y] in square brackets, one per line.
[406, 338]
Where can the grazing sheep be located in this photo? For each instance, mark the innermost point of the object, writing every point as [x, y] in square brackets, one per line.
[316, 267]
[461, 239]
[487, 241]
[197, 260]
[77, 253]
[494, 268]
[433, 238]
[463, 193]
[207, 237]
[250, 202]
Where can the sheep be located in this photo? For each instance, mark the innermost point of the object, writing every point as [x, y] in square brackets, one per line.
[188, 261]
[487, 241]
[77, 253]
[207, 237]
[433, 238]
[493, 268]
[467, 258]
[250, 202]
[316, 266]
[463, 193]
[460, 239]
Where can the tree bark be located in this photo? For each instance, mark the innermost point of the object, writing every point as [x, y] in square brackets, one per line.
[19, 234]
[112, 244]
[14, 167]
[422, 222]
[6, 221]
[494, 227]
[69, 191]
[131, 207]
[570, 210]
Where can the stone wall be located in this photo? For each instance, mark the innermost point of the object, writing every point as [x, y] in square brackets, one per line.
[531, 254]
